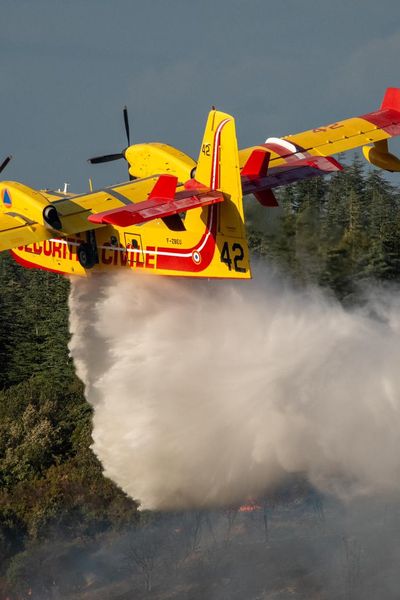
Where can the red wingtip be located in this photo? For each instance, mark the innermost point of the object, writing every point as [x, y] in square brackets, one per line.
[391, 99]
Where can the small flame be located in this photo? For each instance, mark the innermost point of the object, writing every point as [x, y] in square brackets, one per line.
[249, 507]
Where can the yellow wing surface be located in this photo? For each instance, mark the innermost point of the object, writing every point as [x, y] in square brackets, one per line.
[372, 128]
[18, 231]
[22, 213]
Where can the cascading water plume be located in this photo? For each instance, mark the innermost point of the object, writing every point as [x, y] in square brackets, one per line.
[207, 392]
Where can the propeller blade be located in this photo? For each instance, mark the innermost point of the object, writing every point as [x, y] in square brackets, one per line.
[126, 121]
[95, 160]
[106, 158]
[5, 163]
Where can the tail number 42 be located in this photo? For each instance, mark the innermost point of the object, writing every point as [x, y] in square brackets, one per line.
[234, 255]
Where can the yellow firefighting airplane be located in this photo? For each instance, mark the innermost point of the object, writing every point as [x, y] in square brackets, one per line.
[176, 217]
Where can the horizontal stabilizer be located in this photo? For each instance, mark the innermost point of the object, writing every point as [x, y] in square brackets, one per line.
[162, 203]
[297, 170]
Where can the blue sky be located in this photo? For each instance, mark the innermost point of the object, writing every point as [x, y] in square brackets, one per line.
[68, 67]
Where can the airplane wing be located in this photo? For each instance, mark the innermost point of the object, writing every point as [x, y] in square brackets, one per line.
[29, 216]
[352, 133]
[371, 128]
[24, 219]
[16, 230]
[75, 210]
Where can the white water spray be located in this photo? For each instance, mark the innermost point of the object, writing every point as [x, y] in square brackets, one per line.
[207, 392]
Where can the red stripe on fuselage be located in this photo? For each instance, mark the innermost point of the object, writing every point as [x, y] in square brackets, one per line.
[31, 265]
[215, 166]
[182, 259]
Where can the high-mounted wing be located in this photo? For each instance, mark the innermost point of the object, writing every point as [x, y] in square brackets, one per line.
[24, 216]
[29, 216]
[371, 128]
[74, 211]
[16, 230]
[352, 133]
[163, 201]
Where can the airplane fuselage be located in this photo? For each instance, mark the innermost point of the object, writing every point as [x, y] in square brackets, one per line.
[206, 251]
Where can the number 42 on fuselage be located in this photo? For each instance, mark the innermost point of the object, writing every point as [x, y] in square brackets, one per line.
[175, 216]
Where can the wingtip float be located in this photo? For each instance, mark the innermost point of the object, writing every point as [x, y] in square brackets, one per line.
[175, 216]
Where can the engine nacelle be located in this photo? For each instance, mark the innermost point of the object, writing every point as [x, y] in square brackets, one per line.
[147, 159]
[379, 156]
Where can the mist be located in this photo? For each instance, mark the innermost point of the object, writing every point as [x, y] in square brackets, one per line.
[208, 393]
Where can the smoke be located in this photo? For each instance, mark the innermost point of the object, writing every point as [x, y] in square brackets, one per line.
[207, 392]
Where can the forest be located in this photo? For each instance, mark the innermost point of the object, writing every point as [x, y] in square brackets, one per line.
[64, 527]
